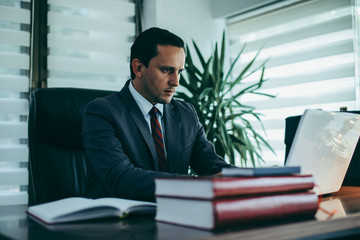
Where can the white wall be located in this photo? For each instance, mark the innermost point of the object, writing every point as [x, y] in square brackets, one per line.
[227, 8]
[190, 19]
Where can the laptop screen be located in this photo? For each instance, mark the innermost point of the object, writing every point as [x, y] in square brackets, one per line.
[323, 146]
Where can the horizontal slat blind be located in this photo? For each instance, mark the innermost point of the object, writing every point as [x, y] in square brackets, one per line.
[13, 153]
[14, 106]
[89, 43]
[311, 62]
[13, 198]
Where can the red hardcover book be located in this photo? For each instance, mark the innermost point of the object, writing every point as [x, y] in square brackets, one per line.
[219, 187]
[218, 213]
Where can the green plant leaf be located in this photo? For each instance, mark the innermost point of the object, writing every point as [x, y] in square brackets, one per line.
[206, 78]
[244, 72]
[198, 52]
[216, 69]
[230, 71]
[189, 65]
[186, 98]
[222, 53]
[205, 93]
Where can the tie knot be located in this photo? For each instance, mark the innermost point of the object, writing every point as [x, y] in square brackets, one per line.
[153, 111]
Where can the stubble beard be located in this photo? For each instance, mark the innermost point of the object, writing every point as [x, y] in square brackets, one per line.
[163, 100]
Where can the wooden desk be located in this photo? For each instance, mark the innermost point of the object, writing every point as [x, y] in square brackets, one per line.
[15, 224]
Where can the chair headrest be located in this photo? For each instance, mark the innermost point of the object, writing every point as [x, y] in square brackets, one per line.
[56, 114]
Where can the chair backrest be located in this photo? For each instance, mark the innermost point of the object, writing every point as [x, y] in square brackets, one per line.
[57, 163]
[352, 177]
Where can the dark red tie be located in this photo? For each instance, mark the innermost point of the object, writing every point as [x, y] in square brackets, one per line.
[158, 139]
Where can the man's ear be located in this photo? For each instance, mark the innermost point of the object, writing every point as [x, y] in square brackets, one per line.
[137, 67]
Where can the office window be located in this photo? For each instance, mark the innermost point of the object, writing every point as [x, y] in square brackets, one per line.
[88, 47]
[313, 49]
[89, 43]
[14, 88]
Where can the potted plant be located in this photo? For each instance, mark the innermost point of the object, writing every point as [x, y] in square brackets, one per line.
[218, 103]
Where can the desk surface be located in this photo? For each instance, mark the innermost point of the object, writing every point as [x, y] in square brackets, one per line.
[15, 224]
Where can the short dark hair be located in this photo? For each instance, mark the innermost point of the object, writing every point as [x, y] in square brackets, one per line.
[145, 45]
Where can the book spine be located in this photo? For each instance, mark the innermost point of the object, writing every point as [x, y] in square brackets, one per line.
[245, 210]
[223, 187]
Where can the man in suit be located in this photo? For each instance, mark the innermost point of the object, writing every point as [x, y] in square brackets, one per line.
[126, 146]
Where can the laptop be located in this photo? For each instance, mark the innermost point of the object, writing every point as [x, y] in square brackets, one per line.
[323, 146]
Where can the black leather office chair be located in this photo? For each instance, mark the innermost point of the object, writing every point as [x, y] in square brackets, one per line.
[57, 163]
[352, 177]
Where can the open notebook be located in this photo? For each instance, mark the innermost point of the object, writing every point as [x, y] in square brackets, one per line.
[323, 146]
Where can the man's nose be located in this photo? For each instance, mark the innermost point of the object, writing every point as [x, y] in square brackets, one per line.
[174, 79]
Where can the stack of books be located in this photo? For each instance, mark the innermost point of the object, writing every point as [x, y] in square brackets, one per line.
[234, 199]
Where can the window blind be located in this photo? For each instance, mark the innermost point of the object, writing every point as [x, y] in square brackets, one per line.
[89, 43]
[14, 88]
[310, 47]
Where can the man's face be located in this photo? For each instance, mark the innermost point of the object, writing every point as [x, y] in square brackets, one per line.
[158, 82]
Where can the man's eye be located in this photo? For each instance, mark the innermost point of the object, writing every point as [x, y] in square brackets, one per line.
[165, 70]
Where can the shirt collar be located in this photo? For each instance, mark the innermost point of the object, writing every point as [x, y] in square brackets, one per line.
[144, 105]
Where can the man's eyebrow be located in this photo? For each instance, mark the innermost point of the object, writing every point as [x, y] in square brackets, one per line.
[167, 67]
[171, 67]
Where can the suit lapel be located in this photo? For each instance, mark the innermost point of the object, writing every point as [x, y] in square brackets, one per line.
[136, 114]
[171, 122]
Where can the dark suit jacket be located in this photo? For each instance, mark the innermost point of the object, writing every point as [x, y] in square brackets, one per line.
[121, 151]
